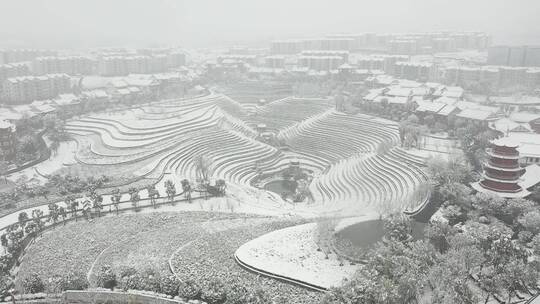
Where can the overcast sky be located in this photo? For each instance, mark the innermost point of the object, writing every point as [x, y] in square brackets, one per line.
[196, 23]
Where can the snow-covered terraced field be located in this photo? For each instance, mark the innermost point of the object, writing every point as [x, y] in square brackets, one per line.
[340, 149]
[370, 179]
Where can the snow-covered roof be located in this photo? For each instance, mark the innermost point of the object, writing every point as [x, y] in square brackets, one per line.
[524, 117]
[525, 138]
[6, 124]
[95, 82]
[43, 108]
[464, 105]
[398, 91]
[123, 91]
[476, 114]
[371, 96]
[119, 83]
[95, 94]
[405, 83]
[429, 106]
[66, 99]
[516, 100]
[453, 94]
[531, 176]
[447, 110]
[345, 66]
[140, 80]
[505, 125]
[523, 193]
[398, 100]
[420, 91]
[505, 142]
[447, 100]
[529, 150]
[7, 114]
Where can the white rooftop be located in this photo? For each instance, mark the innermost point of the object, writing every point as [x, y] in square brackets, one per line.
[524, 116]
[476, 114]
[505, 142]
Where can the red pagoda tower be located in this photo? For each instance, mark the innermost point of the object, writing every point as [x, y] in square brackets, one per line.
[502, 171]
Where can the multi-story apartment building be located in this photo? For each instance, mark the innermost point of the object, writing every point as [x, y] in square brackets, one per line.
[386, 63]
[320, 63]
[403, 46]
[71, 65]
[532, 78]
[420, 71]
[274, 62]
[443, 45]
[343, 54]
[286, 47]
[7, 140]
[370, 63]
[13, 70]
[512, 76]
[516, 56]
[471, 40]
[176, 59]
[20, 55]
[139, 64]
[25, 89]
[494, 76]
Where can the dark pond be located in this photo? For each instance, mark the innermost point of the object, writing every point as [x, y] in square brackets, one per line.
[281, 186]
[365, 234]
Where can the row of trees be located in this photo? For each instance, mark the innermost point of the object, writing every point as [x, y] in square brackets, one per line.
[88, 206]
[212, 292]
[56, 185]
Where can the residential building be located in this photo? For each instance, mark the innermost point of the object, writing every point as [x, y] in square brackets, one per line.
[517, 56]
[320, 63]
[71, 65]
[285, 47]
[403, 46]
[274, 62]
[25, 89]
[13, 70]
[20, 55]
[420, 71]
[7, 140]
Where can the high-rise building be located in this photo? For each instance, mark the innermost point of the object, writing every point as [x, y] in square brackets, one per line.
[532, 56]
[517, 56]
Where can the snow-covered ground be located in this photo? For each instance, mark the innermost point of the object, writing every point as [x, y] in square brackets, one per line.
[64, 156]
[292, 253]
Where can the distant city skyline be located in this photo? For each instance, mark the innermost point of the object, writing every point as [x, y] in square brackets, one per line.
[206, 23]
